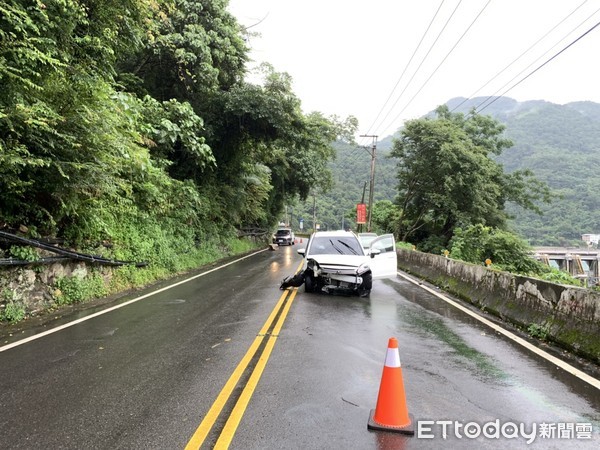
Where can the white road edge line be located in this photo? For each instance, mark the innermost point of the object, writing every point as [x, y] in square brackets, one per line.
[560, 363]
[121, 305]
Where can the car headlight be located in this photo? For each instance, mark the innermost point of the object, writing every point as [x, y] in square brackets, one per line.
[364, 267]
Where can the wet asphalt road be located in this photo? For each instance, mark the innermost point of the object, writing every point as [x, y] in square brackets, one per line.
[145, 375]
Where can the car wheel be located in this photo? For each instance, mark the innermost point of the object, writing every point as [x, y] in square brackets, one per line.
[309, 282]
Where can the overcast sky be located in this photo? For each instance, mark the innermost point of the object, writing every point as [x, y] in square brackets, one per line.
[346, 56]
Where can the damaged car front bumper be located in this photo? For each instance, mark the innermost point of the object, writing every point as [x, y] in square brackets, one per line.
[335, 278]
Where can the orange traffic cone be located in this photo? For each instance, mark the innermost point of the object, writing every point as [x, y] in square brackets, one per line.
[391, 413]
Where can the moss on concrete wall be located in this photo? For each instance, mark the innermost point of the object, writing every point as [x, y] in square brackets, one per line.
[567, 315]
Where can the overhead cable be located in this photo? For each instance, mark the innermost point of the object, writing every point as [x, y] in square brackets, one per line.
[519, 57]
[406, 67]
[439, 65]
[539, 67]
[422, 61]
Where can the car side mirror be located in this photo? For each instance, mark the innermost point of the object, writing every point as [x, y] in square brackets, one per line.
[301, 251]
[375, 251]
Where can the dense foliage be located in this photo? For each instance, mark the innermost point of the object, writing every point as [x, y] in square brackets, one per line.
[560, 145]
[557, 143]
[125, 118]
[447, 178]
[503, 249]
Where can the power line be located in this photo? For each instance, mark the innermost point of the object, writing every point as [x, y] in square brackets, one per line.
[520, 56]
[440, 64]
[422, 61]
[542, 65]
[495, 98]
[407, 66]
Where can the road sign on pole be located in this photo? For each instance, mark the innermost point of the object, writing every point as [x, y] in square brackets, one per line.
[361, 213]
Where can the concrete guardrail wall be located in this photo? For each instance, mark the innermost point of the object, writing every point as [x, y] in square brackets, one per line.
[567, 315]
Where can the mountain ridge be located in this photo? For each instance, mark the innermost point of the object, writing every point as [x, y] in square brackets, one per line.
[560, 144]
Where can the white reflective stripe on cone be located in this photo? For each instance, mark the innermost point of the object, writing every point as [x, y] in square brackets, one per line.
[392, 358]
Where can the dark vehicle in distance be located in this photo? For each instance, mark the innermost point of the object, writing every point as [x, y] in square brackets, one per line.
[283, 236]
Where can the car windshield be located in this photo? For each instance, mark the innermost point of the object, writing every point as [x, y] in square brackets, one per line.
[335, 245]
[282, 232]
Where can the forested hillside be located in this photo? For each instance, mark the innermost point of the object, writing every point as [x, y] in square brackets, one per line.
[560, 144]
[351, 171]
[130, 123]
[128, 131]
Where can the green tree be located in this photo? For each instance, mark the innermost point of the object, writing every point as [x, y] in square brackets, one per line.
[194, 54]
[264, 124]
[506, 250]
[447, 178]
[385, 217]
[190, 49]
[61, 128]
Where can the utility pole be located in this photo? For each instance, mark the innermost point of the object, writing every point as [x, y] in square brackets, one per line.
[372, 184]
[359, 227]
[314, 212]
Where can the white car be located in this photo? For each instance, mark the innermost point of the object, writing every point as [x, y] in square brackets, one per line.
[335, 261]
[366, 239]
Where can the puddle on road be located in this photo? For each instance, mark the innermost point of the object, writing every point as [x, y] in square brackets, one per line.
[429, 324]
[464, 354]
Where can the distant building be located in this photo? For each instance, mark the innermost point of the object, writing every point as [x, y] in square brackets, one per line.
[591, 239]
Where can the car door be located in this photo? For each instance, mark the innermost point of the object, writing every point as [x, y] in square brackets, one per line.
[384, 263]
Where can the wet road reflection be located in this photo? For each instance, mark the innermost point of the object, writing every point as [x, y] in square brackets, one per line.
[455, 369]
[143, 376]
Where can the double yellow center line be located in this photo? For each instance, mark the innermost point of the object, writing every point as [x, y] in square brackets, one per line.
[281, 310]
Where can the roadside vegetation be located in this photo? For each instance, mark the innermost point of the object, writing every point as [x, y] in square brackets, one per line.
[557, 143]
[127, 130]
[452, 194]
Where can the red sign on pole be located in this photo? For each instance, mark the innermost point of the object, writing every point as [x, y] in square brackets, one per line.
[361, 213]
